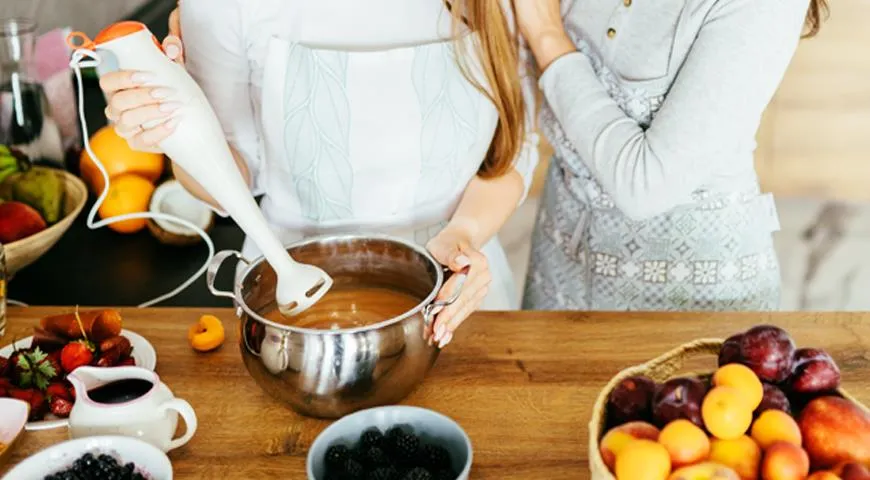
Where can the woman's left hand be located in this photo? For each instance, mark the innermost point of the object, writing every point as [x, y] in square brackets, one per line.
[454, 249]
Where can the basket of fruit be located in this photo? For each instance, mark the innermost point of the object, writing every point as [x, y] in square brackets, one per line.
[768, 411]
[37, 206]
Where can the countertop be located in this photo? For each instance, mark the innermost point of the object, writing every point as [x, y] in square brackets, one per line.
[521, 384]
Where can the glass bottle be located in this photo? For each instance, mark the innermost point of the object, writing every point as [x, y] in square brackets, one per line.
[26, 123]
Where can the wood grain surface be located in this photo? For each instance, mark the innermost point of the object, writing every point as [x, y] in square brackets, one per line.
[522, 384]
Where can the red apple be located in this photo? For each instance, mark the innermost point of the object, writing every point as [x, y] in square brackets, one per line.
[730, 351]
[19, 220]
[768, 350]
[631, 400]
[679, 398]
[813, 371]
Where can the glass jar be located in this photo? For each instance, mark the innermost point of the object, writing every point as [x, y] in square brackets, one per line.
[26, 123]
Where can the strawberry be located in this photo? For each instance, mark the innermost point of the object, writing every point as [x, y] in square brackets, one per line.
[75, 355]
[33, 368]
[61, 407]
[5, 385]
[58, 390]
[5, 370]
[35, 398]
[129, 361]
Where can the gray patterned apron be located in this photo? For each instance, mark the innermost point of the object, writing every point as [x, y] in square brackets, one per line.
[713, 254]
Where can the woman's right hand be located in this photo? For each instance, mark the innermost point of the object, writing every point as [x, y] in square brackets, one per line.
[131, 105]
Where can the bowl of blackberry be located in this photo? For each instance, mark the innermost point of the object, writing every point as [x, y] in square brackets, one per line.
[391, 443]
[98, 457]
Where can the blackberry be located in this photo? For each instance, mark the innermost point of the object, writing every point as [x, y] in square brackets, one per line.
[371, 438]
[395, 432]
[405, 447]
[418, 473]
[383, 473]
[446, 474]
[375, 457]
[353, 470]
[336, 456]
[434, 457]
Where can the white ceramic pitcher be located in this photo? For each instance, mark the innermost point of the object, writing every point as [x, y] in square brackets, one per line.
[152, 417]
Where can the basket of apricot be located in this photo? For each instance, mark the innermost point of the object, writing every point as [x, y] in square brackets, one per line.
[769, 411]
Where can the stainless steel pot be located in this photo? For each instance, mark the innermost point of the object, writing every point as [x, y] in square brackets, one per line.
[330, 373]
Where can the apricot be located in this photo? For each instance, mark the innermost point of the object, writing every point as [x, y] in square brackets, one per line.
[823, 475]
[618, 437]
[726, 414]
[705, 471]
[206, 334]
[775, 426]
[741, 454]
[643, 460]
[785, 461]
[743, 379]
[685, 442]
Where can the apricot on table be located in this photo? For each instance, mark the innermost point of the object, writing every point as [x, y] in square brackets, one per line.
[643, 459]
[785, 461]
[775, 426]
[726, 414]
[618, 437]
[743, 379]
[742, 454]
[206, 334]
[685, 442]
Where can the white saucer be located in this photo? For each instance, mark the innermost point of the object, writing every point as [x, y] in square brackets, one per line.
[143, 353]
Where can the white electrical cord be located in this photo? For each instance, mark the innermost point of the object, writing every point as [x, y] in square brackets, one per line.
[77, 63]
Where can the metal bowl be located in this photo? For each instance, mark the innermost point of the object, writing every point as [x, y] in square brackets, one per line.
[432, 427]
[330, 373]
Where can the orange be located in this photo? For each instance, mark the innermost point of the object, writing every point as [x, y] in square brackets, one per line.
[128, 193]
[775, 426]
[742, 454]
[743, 379]
[643, 459]
[118, 158]
[726, 413]
[685, 442]
[206, 334]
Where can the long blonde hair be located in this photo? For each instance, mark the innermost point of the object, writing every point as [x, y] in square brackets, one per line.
[817, 10]
[497, 48]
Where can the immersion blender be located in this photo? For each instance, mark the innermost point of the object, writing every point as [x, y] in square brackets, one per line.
[199, 147]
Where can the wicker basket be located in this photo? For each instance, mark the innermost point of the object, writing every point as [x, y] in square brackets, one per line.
[658, 369]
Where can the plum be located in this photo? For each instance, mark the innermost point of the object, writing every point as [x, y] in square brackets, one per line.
[813, 371]
[767, 350]
[679, 398]
[774, 398]
[730, 351]
[631, 400]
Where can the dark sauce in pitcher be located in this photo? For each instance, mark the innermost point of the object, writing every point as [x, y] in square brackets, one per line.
[120, 391]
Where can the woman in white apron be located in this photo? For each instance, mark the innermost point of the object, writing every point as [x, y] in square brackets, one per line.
[652, 107]
[349, 115]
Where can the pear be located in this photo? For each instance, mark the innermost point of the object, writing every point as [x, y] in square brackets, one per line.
[39, 187]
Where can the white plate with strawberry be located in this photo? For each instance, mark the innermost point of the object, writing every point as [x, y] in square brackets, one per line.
[34, 369]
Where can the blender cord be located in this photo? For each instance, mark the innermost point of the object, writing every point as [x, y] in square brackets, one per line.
[77, 63]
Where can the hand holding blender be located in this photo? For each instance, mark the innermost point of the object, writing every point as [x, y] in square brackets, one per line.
[196, 144]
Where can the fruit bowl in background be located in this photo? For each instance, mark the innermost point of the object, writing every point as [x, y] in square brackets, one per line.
[21, 253]
[661, 369]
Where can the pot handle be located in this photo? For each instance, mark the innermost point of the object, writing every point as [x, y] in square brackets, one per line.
[215, 264]
[439, 304]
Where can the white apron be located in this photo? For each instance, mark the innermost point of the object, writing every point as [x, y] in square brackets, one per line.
[372, 140]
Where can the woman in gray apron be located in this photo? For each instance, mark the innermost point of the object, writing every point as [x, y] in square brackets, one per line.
[349, 115]
[652, 200]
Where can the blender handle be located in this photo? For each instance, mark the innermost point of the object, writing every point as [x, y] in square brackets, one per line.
[214, 266]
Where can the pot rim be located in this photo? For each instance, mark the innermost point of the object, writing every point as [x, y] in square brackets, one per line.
[251, 264]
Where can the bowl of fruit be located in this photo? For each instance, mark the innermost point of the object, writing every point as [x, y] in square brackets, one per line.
[391, 443]
[39, 204]
[34, 369]
[769, 410]
[95, 457]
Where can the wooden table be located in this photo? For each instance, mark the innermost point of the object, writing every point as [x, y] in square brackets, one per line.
[522, 384]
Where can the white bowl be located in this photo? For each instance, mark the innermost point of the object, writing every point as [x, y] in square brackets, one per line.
[149, 460]
[13, 416]
[426, 424]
